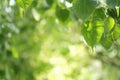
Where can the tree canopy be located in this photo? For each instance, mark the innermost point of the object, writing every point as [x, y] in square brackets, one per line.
[59, 39]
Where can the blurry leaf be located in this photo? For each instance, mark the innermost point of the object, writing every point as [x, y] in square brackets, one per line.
[84, 8]
[62, 14]
[43, 7]
[44, 66]
[36, 15]
[109, 24]
[113, 3]
[116, 32]
[9, 53]
[72, 15]
[2, 73]
[24, 3]
[92, 34]
[21, 12]
[64, 51]
[93, 30]
[106, 42]
[34, 3]
[99, 14]
[15, 53]
[69, 1]
[113, 12]
[50, 2]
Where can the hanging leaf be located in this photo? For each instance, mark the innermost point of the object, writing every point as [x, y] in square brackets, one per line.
[92, 34]
[109, 24]
[116, 32]
[93, 30]
[24, 3]
[62, 14]
[84, 8]
[106, 41]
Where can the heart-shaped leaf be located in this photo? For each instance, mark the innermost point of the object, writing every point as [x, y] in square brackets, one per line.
[62, 14]
[93, 29]
[84, 8]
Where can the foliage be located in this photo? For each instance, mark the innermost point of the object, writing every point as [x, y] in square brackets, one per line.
[24, 4]
[81, 10]
[101, 13]
[43, 39]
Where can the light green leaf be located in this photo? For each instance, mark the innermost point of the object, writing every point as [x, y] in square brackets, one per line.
[15, 52]
[24, 3]
[109, 24]
[21, 10]
[84, 8]
[93, 30]
[116, 32]
[93, 35]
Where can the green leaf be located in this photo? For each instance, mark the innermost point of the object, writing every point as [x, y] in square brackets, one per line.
[116, 32]
[106, 42]
[50, 2]
[109, 24]
[64, 51]
[72, 15]
[112, 3]
[92, 34]
[15, 52]
[69, 1]
[99, 14]
[62, 14]
[84, 8]
[93, 30]
[24, 3]
[21, 10]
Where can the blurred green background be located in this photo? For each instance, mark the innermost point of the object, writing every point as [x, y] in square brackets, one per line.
[37, 44]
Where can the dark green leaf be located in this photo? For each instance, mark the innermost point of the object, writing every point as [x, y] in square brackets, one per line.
[84, 8]
[62, 14]
[106, 42]
[69, 1]
[50, 2]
